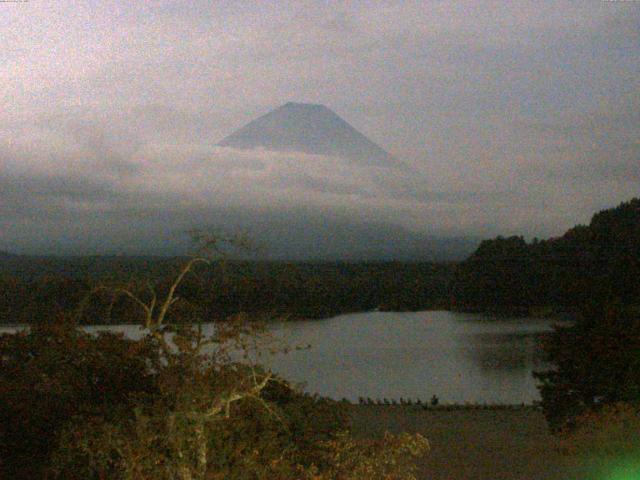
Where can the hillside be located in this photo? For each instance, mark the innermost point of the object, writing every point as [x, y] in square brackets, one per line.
[589, 263]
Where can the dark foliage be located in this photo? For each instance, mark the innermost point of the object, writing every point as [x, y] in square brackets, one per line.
[55, 373]
[594, 263]
[297, 290]
[596, 362]
[591, 273]
[56, 381]
[88, 407]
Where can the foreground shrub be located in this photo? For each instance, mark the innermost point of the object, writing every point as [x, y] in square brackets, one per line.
[55, 372]
[215, 418]
[158, 447]
[595, 362]
[390, 458]
[176, 405]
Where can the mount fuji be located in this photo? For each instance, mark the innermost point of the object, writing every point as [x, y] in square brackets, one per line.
[311, 129]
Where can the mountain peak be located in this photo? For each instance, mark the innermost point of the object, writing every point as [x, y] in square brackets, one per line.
[308, 128]
[307, 106]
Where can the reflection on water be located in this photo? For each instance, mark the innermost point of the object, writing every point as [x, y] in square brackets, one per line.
[458, 357]
[505, 351]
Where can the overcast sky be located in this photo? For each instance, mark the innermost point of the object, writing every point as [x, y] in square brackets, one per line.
[515, 117]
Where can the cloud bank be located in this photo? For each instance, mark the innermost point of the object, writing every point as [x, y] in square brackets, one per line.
[512, 118]
[80, 191]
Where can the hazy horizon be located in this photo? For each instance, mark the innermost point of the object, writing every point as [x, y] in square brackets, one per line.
[518, 118]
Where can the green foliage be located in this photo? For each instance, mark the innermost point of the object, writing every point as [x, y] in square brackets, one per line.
[596, 362]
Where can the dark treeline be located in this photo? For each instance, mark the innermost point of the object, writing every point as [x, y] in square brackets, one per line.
[592, 274]
[592, 264]
[42, 287]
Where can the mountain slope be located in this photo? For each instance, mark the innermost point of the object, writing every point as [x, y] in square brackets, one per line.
[308, 128]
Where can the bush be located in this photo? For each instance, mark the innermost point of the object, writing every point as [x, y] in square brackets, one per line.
[612, 432]
[176, 404]
[216, 418]
[596, 362]
[55, 372]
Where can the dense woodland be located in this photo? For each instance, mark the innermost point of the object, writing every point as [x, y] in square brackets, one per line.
[596, 263]
[37, 287]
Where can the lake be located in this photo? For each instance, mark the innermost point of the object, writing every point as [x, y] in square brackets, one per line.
[457, 357]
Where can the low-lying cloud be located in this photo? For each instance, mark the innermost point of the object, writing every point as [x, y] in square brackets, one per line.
[94, 191]
[511, 118]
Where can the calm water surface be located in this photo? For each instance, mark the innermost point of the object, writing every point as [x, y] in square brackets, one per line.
[458, 357]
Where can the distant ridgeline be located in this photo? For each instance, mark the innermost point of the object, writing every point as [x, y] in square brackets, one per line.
[597, 263]
[38, 288]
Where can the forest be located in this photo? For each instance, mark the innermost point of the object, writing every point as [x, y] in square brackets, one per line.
[589, 264]
[39, 287]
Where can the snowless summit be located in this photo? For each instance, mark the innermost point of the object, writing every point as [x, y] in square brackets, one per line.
[308, 128]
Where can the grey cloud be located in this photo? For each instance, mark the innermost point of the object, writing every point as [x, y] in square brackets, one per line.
[514, 118]
[291, 233]
[45, 188]
[315, 184]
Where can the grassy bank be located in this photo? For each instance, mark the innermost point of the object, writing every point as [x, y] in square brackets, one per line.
[470, 444]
